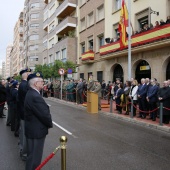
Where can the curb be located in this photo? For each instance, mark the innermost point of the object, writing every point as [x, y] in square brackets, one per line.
[118, 117]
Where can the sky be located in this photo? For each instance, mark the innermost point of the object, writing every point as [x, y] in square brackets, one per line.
[9, 14]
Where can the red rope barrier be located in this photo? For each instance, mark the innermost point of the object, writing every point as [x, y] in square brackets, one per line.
[166, 108]
[2, 103]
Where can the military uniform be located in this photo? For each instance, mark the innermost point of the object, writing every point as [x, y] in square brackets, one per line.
[97, 89]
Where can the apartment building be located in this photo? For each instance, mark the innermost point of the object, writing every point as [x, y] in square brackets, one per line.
[3, 69]
[150, 49]
[8, 51]
[17, 45]
[33, 33]
[60, 36]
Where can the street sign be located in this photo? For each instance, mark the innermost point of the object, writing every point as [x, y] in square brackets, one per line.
[69, 71]
[61, 71]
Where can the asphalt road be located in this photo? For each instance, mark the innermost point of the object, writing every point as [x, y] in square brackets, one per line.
[97, 142]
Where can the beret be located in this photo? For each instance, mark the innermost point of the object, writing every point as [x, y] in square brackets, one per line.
[14, 83]
[8, 78]
[25, 70]
[34, 75]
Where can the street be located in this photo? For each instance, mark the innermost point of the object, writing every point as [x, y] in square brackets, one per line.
[95, 142]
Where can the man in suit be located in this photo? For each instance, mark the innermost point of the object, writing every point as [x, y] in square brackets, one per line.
[97, 89]
[2, 98]
[37, 121]
[142, 91]
[152, 99]
[22, 90]
[79, 89]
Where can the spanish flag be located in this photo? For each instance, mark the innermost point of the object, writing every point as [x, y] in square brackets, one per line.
[123, 23]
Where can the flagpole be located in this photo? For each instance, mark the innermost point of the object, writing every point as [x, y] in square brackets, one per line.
[129, 41]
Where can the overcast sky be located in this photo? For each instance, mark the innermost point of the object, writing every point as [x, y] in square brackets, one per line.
[9, 13]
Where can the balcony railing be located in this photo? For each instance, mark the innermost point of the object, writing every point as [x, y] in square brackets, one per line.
[68, 24]
[156, 34]
[66, 8]
[89, 55]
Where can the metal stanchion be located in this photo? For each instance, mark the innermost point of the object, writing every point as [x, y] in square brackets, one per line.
[111, 103]
[63, 141]
[161, 114]
[131, 113]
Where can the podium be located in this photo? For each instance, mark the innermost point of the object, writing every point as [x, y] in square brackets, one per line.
[92, 102]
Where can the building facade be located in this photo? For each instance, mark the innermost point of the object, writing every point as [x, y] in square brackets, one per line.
[150, 49]
[60, 33]
[15, 56]
[33, 33]
[8, 51]
[3, 69]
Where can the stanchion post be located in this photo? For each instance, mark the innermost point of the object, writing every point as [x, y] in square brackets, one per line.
[111, 103]
[63, 141]
[161, 114]
[131, 113]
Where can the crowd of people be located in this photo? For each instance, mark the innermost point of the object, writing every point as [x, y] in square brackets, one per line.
[28, 114]
[145, 95]
[144, 28]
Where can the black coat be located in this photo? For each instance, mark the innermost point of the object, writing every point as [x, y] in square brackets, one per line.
[37, 115]
[22, 91]
[2, 94]
[165, 94]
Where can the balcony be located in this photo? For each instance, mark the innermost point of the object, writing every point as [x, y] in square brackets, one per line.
[149, 40]
[68, 24]
[66, 8]
[88, 57]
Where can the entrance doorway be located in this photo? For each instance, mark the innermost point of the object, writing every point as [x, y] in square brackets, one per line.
[118, 73]
[143, 70]
[168, 72]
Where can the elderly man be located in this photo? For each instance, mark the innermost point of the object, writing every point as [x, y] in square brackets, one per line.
[90, 83]
[152, 99]
[164, 97]
[142, 91]
[37, 121]
[22, 90]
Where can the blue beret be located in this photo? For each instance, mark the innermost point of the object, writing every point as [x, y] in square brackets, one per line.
[35, 75]
[25, 70]
[14, 83]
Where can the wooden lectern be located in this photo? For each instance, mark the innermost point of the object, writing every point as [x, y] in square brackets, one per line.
[92, 102]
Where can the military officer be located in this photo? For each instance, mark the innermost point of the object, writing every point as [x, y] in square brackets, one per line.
[90, 83]
[22, 90]
[37, 121]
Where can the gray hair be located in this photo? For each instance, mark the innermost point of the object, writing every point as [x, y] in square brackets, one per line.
[32, 82]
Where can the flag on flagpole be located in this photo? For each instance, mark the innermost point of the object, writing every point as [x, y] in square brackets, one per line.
[123, 23]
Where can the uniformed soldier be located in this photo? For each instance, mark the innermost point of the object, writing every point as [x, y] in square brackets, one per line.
[90, 83]
[23, 88]
[97, 89]
[37, 121]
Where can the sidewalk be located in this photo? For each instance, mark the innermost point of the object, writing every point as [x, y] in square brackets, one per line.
[115, 115]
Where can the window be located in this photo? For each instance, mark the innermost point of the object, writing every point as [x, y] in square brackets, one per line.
[34, 37]
[90, 19]
[33, 58]
[64, 55]
[45, 15]
[90, 43]
[82, 24]
[34, 16]
[34, 25]
[100, 76]
[82, 75]
[33, 47]
[101, 40]
[100, 13]
[118, 4]
[116, 34]
[57, 57]
[35, 5]
[51, 59]
[81, 2]
[52, 10]
[82, 47]
[51, 43]
[51, 26]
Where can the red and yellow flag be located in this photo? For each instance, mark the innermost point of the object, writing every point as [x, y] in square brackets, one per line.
[123, 23]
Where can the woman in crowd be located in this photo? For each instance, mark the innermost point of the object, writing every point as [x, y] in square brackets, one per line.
[119, 92]
[133, 95]
[126, 97]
